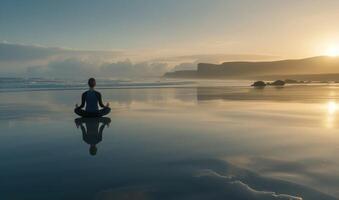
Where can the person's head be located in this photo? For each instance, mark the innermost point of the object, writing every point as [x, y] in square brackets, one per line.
[93, 150]
[91, 82]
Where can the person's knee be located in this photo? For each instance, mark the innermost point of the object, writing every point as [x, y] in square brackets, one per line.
[105, 111]
[78, 111]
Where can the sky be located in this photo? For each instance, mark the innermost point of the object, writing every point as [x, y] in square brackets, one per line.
[148, 30]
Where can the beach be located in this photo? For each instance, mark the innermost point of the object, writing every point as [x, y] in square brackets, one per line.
[194, 142]
[169, 100]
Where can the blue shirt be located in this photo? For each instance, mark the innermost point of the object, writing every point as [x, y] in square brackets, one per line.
[91, 98]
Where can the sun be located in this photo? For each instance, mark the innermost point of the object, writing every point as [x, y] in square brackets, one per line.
[332, 51]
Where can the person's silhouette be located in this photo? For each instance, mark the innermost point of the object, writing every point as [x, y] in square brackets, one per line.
[91, 100]
[92, 133]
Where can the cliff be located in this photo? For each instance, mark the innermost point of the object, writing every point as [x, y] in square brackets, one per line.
[283, 68]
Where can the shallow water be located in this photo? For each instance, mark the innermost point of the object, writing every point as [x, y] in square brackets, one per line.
[173, 143]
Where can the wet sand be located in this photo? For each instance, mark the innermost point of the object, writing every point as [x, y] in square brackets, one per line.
[173, 143]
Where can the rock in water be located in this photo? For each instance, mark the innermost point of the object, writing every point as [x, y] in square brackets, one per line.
[259, 84]
[278, 83]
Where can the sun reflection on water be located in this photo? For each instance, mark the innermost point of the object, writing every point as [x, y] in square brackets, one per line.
[331, 107]
[331, 111]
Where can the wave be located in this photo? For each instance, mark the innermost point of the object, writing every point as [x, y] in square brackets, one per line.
[41, 84]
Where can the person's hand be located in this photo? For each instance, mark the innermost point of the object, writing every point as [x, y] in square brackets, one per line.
[107, 104]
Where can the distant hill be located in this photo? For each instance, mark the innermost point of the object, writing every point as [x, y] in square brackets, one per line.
[314, 67]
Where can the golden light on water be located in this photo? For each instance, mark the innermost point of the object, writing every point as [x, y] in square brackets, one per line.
[331, 107]
[331, 111]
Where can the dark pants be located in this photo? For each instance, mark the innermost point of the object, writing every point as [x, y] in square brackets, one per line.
[99, 113]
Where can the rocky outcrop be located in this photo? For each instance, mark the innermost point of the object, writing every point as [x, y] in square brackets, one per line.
[259, 84]
[277, 83]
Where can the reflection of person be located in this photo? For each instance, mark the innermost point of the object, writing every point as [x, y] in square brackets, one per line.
[92, 134]
[91, 98]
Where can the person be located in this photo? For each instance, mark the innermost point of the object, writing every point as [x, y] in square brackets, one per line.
[92, 134]
[92, 99]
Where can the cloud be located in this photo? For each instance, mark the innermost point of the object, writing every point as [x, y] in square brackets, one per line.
[56, 62]
[80, 68]
[68, 68]
[43, 61]
[128, 69]
[11, 52]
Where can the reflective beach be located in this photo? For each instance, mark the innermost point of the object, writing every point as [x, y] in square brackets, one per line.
[173, 143]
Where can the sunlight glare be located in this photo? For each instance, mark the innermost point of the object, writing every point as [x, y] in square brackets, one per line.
[332, 51]
[331, 107]
[331, 110]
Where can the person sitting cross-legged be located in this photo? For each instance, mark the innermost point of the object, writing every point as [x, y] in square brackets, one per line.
[92, 99]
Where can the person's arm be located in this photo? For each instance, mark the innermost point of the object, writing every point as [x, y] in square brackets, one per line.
[83, 99]
[100, 100]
